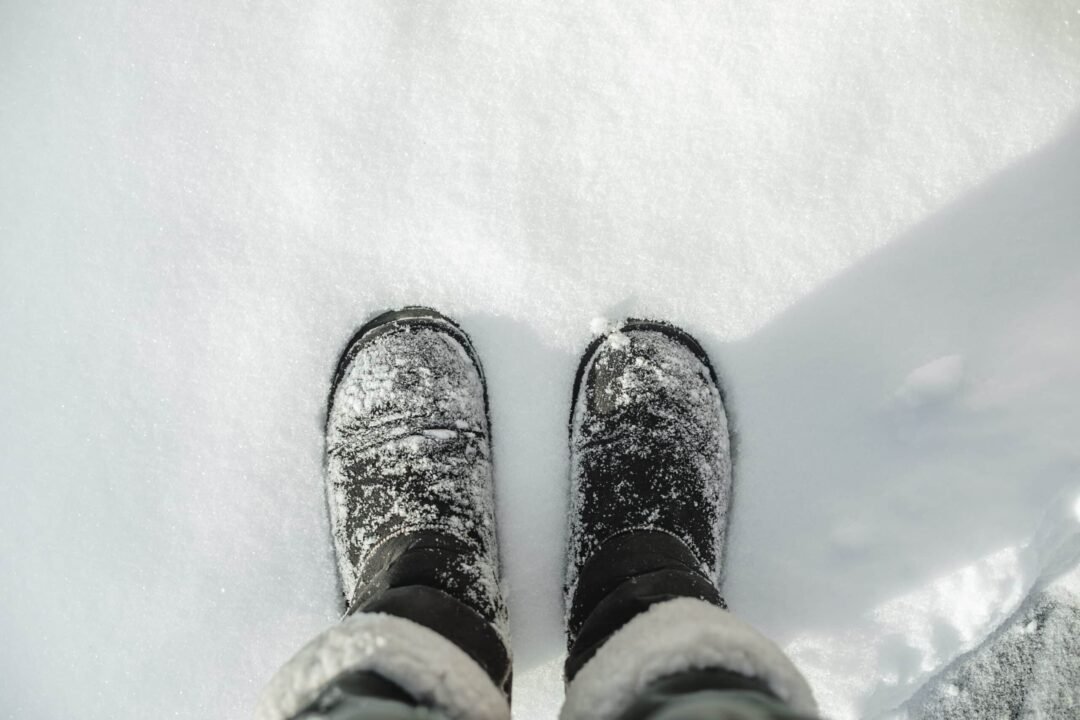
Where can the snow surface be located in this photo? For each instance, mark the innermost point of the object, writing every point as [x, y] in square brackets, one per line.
[199, 202]
[1029, 667]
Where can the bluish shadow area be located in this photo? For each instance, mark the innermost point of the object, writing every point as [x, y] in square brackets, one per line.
[850, 493]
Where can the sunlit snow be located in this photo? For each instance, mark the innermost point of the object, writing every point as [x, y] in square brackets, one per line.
[201, 201]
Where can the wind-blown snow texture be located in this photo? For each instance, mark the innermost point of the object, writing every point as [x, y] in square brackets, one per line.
[1030, 667]
[201, 201]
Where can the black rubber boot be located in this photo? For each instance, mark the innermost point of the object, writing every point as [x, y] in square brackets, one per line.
[651, 477]
[650, 481]
[409, 483]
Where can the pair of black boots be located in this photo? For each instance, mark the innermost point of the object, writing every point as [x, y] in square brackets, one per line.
[412, 510]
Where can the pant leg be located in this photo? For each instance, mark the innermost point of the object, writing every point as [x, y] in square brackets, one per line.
[651, 638]
[359, 707]
[364, 695]
[411, 648]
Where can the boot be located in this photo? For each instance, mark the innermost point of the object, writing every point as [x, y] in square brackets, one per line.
[650, 470]
[650, 497]
[408, 469]
[412, 514]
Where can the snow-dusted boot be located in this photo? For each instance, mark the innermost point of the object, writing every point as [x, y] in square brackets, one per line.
[650, 494]
[411, 501]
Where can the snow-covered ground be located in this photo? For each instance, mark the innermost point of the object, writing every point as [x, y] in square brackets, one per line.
[868, 212]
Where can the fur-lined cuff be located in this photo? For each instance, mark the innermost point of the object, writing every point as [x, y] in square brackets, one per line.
[422, 662]
[668, 638]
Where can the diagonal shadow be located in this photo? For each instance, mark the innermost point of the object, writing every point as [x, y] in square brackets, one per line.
[886, 494]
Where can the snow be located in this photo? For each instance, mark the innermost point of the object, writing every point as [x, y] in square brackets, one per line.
[1029, 667]
[934, 382]
[909, 639]
[201, 201]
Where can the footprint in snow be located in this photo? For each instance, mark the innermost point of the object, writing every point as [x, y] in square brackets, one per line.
[931, 384]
